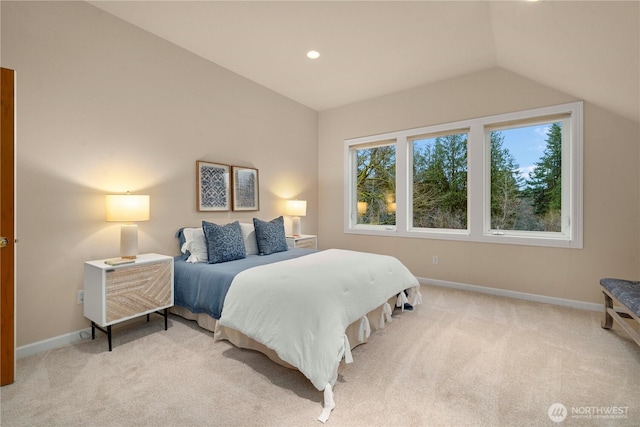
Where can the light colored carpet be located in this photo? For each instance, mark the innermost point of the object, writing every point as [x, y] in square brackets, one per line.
[460, 359]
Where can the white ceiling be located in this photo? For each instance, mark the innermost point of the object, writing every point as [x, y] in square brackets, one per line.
[590, 50]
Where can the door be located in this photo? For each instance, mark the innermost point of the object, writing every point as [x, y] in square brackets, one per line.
[7, 239]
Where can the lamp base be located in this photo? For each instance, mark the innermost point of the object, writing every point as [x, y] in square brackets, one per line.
[295, 226]
[129, 241]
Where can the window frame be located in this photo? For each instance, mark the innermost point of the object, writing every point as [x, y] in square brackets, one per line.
[478, 181]
[409, 142]
[351, 193]
[354, 190]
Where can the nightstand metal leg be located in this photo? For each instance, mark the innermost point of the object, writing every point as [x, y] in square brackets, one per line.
[106, 331]
[166, 312]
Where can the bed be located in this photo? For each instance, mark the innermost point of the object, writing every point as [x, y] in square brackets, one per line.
[304, 309]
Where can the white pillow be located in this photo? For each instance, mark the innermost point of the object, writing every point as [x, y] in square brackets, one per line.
[195, 243]
[249, 237]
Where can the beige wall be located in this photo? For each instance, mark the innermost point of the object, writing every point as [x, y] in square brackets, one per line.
[611, 190]
[104, 107]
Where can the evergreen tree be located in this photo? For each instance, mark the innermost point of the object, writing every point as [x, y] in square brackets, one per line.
[440, 183]
[506, 182]
[545, 182]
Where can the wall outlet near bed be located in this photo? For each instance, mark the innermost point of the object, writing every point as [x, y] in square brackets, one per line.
[80, 297]
[435, 259]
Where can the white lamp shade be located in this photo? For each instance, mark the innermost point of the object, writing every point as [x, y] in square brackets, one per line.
[295, 207]
[127, 207]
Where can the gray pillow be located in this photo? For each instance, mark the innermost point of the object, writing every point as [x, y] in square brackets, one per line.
[270, 236]
[224, 242]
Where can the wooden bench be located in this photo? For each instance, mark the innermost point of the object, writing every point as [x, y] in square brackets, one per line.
[626, 295]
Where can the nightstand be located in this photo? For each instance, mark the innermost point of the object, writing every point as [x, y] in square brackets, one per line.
[115, 293]
[307, 241]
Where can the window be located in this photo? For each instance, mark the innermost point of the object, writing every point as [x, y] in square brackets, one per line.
[439, 190]
[513, 178]
[528, 197]
[375, 197]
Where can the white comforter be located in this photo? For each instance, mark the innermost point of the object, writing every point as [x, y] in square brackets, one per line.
[301, 307]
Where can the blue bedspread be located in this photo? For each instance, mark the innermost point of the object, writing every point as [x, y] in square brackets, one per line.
[202, 287]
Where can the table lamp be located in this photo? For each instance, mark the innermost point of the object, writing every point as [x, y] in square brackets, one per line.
[128, 208]
[295, 209]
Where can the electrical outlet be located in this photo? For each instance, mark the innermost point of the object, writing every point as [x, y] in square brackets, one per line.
[80, 297]
[435, 260]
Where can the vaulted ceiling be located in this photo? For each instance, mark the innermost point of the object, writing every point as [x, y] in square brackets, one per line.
[590, 50]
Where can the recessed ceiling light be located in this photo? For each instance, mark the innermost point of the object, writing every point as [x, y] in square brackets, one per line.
[313, 54]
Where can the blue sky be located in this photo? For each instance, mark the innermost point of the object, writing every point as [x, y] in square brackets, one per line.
[526, 144]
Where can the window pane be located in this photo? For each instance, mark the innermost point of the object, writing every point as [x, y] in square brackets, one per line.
[440, 182]
[376, 185]
[526, 178]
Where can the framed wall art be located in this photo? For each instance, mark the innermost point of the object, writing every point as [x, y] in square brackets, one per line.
[245, 189]
[214, 186]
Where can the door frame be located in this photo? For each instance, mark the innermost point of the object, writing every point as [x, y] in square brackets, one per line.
[7, 227]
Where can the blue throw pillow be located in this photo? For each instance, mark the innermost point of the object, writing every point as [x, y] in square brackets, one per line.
[224, 242]
[270, 236]
[181, 240]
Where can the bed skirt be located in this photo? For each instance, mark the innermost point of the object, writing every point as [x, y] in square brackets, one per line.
[353, 332]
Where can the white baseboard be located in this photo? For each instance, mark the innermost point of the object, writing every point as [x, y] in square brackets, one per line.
[513, 294]
[74, 337]
[51, 343]
[69, 339]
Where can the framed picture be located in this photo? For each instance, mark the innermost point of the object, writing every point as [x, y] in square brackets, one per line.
[245, 189]
[214, 186]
